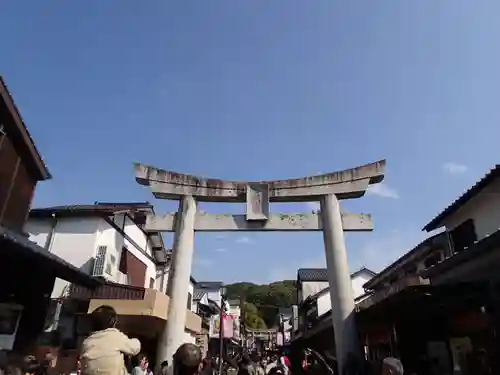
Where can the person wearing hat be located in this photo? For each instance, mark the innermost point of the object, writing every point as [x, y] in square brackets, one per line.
[186, 361]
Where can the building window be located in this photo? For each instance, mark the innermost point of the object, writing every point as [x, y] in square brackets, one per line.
[189, 301]
[463, 236]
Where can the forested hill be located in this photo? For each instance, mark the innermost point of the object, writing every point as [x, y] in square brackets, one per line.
[263, 301]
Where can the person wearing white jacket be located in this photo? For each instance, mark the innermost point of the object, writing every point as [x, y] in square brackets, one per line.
[103, 351]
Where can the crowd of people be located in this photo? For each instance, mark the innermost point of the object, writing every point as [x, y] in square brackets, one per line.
[108, 351]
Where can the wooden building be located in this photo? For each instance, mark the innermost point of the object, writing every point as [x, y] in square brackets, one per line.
[27, 271]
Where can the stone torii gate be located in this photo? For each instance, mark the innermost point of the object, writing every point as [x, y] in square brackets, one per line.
[328, 189]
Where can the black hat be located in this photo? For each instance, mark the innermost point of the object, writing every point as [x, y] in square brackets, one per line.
[188, 355]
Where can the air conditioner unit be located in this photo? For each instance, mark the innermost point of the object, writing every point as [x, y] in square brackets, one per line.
[105, 263]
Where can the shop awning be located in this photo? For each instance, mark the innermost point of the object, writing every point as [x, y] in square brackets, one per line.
[17, 246]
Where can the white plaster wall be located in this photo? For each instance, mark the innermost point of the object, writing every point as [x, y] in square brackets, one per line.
[357, 284]
[38, 230]
[214, 295]
[324, 303]
[310, 288]
[484, 209]
[74, 239]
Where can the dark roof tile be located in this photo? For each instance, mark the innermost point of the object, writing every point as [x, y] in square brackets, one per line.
[209, 285]
[198, 294]
[312, 274]
[321, 274]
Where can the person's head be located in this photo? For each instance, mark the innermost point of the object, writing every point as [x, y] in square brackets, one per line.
[392, 366]
[103, 317]
[187, 359]
[142, 361]
[30, 365]
[164, 364]
[50, 360]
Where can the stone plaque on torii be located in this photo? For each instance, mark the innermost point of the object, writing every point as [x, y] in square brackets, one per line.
[327, 189]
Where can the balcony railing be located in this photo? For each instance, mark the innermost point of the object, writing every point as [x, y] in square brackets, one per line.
[108, 290]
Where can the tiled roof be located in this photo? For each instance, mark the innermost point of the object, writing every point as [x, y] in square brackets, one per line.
[312, 274]
[198, 294]
[321, 274]
[90, 209]
[209, 285]
[488, 178]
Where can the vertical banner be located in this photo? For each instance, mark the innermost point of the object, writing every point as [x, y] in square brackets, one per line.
[228, 326]
[213, 331]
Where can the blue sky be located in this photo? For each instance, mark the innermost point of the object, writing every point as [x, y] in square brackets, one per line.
[261, 90]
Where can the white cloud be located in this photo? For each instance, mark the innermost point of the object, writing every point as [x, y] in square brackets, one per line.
[243, 239]
[382, 190]
[454, 168]
[221, 250]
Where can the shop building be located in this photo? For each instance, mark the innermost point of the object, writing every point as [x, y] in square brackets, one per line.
[28, 270]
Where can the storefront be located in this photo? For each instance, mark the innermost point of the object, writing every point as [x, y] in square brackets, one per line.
[26, 280]
[428, 324]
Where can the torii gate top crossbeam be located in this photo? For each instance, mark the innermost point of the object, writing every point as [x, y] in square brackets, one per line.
[350, 183]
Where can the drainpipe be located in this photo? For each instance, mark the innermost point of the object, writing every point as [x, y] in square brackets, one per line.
[50, 236]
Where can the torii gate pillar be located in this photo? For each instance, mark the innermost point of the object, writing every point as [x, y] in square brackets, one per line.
[341, 293]
[328, 189]
[178, 280]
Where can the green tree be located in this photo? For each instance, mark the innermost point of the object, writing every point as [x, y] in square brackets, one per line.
[265, 299]
[252, 318]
